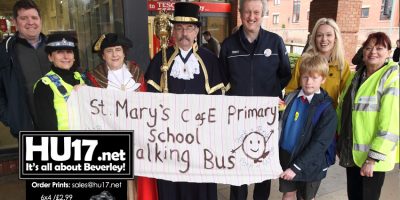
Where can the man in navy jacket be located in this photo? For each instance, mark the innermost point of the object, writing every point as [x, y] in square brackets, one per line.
[22, 62]
[254, 63]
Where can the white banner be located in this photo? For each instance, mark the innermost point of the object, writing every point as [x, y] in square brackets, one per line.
[193, 138]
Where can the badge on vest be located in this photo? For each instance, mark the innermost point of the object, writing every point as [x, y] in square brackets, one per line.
[267, 52]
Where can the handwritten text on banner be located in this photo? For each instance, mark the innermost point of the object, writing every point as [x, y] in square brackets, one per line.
[193, 138]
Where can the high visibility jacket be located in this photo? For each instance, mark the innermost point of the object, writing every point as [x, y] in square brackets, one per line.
[375, 117]
[61, 91]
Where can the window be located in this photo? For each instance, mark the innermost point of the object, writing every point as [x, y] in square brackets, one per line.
[277, 2]
[364, 12]
[296, 11]
[217, 25]
[386, 9]
[266, 9]
[275, 18]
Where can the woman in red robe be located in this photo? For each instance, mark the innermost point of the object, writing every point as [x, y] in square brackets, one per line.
[116, 73]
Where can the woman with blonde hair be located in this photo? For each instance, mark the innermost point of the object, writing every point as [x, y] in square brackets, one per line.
[326, 40]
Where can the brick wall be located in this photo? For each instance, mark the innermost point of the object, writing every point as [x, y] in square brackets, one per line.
[348, 19]
[294, 31]
[325, 8]
[8, 152]
[373, 22]
[347, 15]
[338, 10]
[8, 167]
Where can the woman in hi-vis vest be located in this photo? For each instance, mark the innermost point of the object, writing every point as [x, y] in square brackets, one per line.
[116, 73]
[51, 92]
[368, 144]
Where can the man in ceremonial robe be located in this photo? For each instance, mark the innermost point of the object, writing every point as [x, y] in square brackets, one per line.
[191, 70]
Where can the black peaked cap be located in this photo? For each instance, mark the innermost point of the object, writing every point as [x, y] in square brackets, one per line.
[60, 41]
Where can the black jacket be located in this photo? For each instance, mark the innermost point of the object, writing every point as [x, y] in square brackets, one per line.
[262, 72]
[308, 159]
[213, 45]
[396, 54]
[14, 111]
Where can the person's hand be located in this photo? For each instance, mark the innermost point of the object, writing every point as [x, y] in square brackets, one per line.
[288, 174]
[353, 68]
[368, 168]
[281, 105]
[76, 87]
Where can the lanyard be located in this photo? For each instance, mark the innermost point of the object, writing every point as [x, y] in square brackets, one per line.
[187, 56]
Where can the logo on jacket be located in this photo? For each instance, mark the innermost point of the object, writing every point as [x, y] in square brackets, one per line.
[267, 52]
[235, 51]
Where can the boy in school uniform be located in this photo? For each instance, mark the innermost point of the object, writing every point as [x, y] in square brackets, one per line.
[308, 128]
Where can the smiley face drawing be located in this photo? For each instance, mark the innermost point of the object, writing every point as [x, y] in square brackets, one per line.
[254, 146]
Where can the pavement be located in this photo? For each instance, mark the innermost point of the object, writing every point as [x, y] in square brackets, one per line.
[333, 187]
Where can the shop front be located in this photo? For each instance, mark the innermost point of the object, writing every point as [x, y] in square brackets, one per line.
[86, 19]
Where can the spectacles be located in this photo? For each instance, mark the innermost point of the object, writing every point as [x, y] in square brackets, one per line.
[188, 29]
[377, 48]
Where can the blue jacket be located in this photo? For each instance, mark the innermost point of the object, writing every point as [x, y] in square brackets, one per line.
[263, 72]
[14, 111]
[308, 157]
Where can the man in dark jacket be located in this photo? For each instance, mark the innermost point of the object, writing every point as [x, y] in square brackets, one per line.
[358, 59]
[255, 63]
[396, 53]
[212, 43]
[22, 62]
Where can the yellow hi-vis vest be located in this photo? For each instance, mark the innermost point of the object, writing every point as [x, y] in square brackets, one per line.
[61, 91]
[375, 118]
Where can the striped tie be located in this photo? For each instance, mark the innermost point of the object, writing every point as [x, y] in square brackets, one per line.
[304, 99]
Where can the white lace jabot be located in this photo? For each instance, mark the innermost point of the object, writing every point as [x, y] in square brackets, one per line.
[186, 70]
[121, 79]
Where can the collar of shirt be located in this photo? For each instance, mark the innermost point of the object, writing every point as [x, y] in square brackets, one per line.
[121, 79]
[249, 46]
[26, 43]
[184, 53]
[36, 45]
[309, 97]
[185, 71]
[62, 72]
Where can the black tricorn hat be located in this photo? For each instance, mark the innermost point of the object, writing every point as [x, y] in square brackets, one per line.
[186, 13]
[60, 41]
[111, 40]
